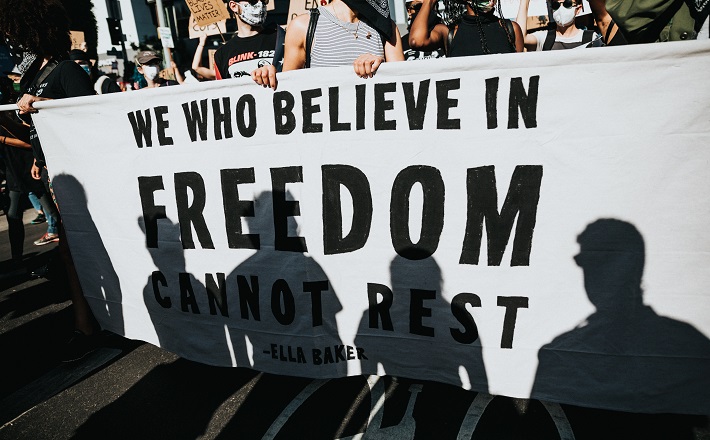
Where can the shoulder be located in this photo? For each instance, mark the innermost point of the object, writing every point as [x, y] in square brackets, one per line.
[68, 67]
[299, 24]
[539, 35]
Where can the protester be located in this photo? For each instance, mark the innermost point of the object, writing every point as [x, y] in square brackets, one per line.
[102, 83]
[253, 45]
[148, 64]
[611, 35]
[48, 74]
[410, 54]
[474, 29]
[344, 32]
[198, 71]
[647, 21]
[17, 153]
[565, 35]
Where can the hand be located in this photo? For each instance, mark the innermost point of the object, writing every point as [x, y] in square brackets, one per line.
[25, 103]
[265, 76]
[36, 172]
[366, 65]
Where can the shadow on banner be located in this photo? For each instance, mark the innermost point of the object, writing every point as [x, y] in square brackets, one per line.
[624, 355]
[99, 281]
[408, 324]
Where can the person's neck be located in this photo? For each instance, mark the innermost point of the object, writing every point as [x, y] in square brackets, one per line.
[343, 11]
[568, 31]
[246, 30]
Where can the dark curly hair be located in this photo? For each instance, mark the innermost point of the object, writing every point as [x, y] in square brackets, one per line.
[37, 26]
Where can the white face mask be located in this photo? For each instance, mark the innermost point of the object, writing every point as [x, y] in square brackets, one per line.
[253, 15]
[150, 72]
[563, 16]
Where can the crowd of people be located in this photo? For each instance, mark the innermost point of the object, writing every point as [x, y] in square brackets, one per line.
[359, 33]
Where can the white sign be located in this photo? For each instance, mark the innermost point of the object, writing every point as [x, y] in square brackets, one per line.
[166, 37]
[477, 221]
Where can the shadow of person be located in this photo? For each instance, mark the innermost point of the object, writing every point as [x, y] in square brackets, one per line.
[99, 282]
[178, 303]
[411, 331]
[284, 321]
[624, 356]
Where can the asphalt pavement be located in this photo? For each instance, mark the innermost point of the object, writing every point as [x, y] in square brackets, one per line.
[130, 389]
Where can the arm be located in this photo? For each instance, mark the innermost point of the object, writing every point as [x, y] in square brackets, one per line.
[15, 127]
[176, 73]
[295, 43]
[366, 65]
[519, 39]
[420, 36]
[393, 49]
[602, 17]
[294, 53]
[197, 60]
[529, 41]
[13, 142]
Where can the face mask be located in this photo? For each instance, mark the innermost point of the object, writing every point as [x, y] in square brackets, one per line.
[26, 61]
[484, 6]
[150, 72]
[87, 69]
[253, 15]
[563, 16]
[16, 87]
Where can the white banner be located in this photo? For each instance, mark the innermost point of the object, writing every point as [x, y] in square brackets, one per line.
[524, 224]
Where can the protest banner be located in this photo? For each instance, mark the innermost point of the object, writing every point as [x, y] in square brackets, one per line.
[207, 12]
[465, 221]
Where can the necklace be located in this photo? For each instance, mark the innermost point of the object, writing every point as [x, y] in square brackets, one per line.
[340, 22]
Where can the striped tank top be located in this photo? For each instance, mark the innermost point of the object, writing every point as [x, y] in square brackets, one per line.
[334, 43]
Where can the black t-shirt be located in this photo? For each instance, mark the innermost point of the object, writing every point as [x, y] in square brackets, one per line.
[66, 80]
[467, 40]
[18, 163]
[240, 56]
[108, 85]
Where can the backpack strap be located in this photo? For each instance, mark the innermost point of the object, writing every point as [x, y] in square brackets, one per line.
[550, 39]
[310, 33]
[43, 74]
[279, 50]
[449, 39]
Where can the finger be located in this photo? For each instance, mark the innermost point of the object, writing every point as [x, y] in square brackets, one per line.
[272, 78]
[375, 65]
[368, 69]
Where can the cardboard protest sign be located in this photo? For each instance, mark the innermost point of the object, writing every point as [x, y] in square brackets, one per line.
[207, 12]
[460, 220]
[298, 7]
[77, 40]
[196, 31]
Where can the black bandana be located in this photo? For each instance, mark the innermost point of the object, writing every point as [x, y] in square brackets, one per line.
[376, 14]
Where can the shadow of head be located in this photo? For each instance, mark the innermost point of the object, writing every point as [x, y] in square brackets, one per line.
[612, 257]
